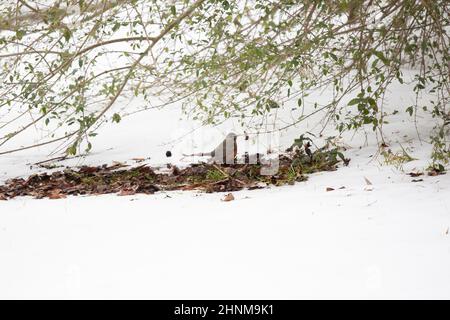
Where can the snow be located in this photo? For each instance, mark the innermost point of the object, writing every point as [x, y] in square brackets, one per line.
[385, 241]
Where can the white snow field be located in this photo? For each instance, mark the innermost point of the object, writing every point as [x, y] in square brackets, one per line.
[388, 240]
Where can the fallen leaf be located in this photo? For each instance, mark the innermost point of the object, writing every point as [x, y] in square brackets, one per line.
[416, 180]
[329, 189]
[435, 171]
[56, 194]
[143, 179]
[415, 174]
[228, 197]
[258, 185]
[86, 169]
[127, 192]
[368, 181]
[174, 170]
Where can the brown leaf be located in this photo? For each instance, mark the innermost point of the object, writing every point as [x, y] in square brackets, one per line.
[367, 181]
[3, 197]
[56, 194]
[329, 189]
[127, 191]
[175, 171]
[90, 180]
[116, 165]
[228, 197]
[415, 174]
[188, 187]
[257, 185]
[86, 169]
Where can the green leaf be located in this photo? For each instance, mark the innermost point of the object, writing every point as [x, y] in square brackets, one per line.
[72, 150]
[67, 34]
[20, 34]
[410, 110]
[372, 103]
[380, 55]
[116, 26]
[116, 118]
[354, 101]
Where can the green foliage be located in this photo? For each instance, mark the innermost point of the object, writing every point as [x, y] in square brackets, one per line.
[396, 159]
[441, 146]
[116, 118]
[215, 175]
[222, 59]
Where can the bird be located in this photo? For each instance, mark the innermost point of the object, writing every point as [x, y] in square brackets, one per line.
[225, 152]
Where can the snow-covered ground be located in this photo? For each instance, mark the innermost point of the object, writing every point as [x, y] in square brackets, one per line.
[388, 240]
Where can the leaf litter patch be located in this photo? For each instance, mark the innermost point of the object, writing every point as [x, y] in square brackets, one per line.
[294, 165]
